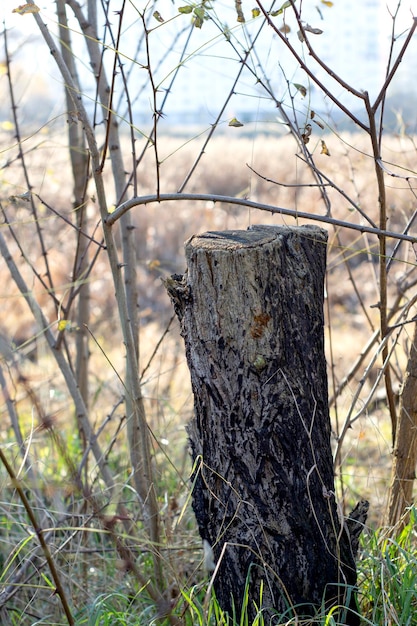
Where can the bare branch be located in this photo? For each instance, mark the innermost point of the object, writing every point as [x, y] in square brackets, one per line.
[394, 67]
[193, 197]
[311, 74]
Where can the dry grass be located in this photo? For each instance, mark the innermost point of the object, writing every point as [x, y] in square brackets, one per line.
[86, 558]
[160, 233]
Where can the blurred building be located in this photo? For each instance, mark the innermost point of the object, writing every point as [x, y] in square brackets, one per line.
[355, 44]
[199, 74]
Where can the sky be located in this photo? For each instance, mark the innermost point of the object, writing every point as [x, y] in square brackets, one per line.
[209, 70]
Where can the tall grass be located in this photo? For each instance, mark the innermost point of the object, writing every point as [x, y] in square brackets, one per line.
[387, 582]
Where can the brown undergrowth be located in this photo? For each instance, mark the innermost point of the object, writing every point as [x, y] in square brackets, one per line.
[227, 168]
[230, 166]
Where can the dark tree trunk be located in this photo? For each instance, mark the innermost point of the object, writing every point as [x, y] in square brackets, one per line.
[251, 312]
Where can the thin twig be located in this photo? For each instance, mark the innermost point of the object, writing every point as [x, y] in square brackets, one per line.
[311, 74]
[383, 285]
[39, 534]
[48, 284]
[394, 68]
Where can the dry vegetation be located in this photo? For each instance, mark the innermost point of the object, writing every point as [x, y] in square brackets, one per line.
[160, 233]
[45, 411]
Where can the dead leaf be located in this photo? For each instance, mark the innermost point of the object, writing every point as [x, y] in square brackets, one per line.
[239, 11]
[324, 148]
[26, 8]
[301, 89]
[20, 196]
[314, 31]
[158, 17]
[305, 136]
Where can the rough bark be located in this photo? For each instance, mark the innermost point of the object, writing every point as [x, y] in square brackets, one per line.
[405, 451]
[251, 313]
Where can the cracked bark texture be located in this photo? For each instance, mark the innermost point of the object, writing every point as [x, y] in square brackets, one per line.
[251, 312]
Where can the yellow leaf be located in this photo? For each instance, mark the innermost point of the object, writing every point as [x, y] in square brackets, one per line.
[7, 125]
[235, 123]
[26, 8]
[286, 5]
[64, 325]
[256, 12]
[324, 148]
[327, 3]
[154, 264]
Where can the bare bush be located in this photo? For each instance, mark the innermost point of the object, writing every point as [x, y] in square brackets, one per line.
[97, 198]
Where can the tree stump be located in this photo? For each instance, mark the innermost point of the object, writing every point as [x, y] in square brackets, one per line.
[251, 312]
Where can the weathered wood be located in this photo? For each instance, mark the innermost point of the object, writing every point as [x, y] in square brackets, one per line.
[403, 471]
[251, 312]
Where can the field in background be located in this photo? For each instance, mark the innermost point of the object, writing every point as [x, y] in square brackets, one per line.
[229, 167]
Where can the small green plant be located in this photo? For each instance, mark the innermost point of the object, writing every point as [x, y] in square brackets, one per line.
[388, 576]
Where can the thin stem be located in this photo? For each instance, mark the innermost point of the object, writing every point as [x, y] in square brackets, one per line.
[328, 183]
[319, 61]
[108, 109]
[383, 288]
[62, 363]
[156, 112]
[48, 284]
[394, 68]
[125, 290]
[312, 75]
[39, 534]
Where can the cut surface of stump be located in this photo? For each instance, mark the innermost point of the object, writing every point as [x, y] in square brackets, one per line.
[251, 313]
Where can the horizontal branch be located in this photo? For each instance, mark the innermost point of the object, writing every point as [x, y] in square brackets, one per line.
[206, 197]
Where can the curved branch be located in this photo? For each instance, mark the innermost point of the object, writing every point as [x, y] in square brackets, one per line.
[207, 197]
